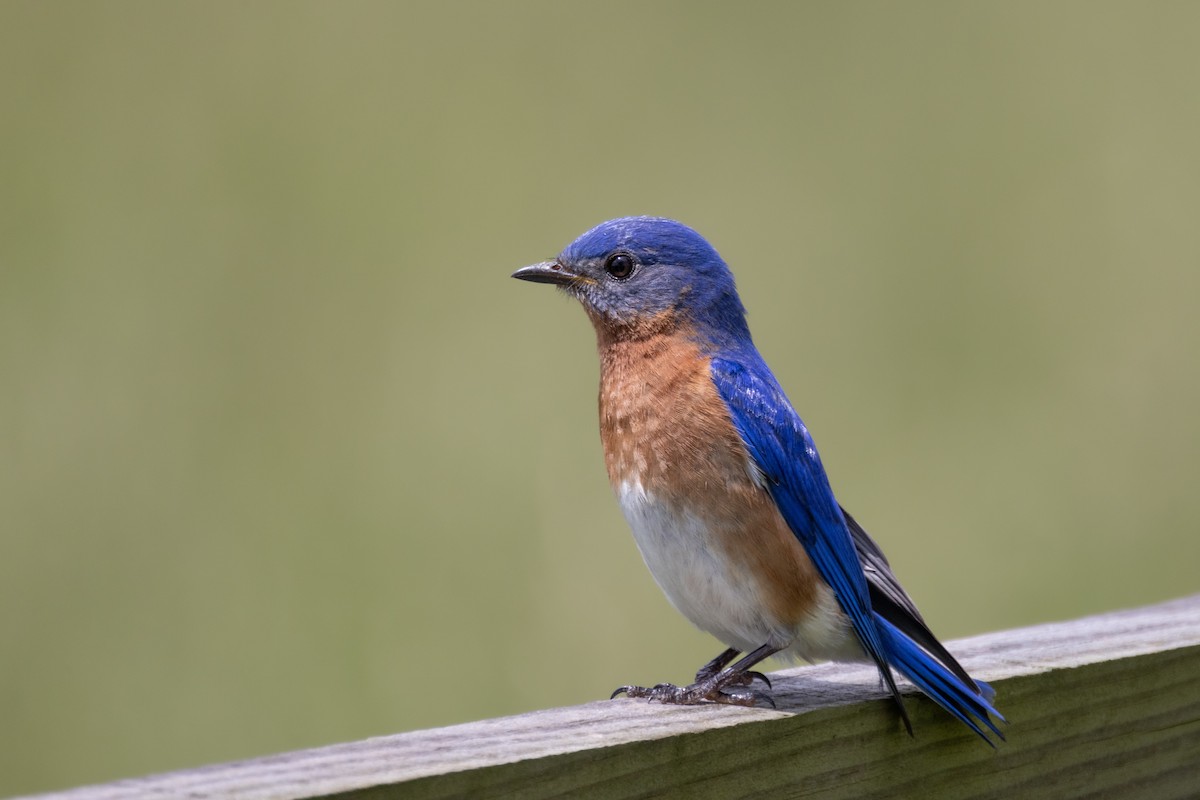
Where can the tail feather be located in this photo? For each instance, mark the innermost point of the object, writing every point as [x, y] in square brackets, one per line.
[970, 703]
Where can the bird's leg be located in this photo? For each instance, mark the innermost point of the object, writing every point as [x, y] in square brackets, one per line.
[717, 664]
[715, 683]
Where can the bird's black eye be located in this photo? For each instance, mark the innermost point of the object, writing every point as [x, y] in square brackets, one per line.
[619, 265]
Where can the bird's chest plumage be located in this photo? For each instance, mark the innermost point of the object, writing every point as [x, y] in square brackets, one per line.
[662, 423]
[704, 522]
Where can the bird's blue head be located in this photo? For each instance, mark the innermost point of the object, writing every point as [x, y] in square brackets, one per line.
[638, 275]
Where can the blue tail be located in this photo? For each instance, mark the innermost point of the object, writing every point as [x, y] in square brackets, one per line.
[970, 704]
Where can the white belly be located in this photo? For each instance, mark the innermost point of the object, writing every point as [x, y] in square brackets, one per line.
[687, 561]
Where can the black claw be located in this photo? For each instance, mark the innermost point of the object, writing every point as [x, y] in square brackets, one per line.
[742, 679]
[758, 676]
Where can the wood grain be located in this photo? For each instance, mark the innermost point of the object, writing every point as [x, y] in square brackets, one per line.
[1106, 706]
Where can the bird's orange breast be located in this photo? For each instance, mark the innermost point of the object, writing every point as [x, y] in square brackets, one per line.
[666, 430]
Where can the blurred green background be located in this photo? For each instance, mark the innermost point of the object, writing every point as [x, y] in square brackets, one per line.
[286, 458]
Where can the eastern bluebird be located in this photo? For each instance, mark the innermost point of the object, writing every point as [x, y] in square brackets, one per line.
[722, 485]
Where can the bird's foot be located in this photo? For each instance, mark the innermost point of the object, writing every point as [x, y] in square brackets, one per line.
[742, 678]
[747, 678]
[724, 688]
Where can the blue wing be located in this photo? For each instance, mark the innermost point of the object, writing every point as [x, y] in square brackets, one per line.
[783, 449]
[779, 443]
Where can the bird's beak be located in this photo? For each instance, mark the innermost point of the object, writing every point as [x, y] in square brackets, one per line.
[546, 272]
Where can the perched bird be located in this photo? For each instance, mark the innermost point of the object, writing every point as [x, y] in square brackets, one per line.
[722, 485]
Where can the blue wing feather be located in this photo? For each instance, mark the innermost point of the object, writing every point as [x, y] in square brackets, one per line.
[780, 444]
[783, 449]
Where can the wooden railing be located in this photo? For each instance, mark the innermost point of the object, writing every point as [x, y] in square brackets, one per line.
[1103, 706]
